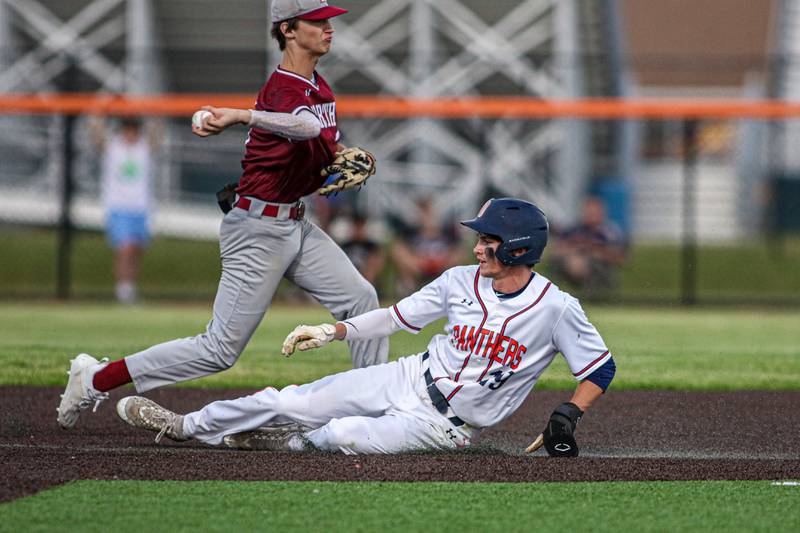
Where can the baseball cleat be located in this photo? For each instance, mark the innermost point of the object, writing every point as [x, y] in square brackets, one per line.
[79, 393]
[286, 437]
[142, 413]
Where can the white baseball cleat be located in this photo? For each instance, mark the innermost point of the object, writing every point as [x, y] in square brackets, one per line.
[80, 393]
[147, 414]
[285, 437]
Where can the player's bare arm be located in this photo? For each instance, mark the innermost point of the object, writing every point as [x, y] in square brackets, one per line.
[585, 394]
[296, 126]
[220, 119]
[558, 436]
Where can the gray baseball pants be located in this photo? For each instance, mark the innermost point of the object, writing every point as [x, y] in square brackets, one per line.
[256, 253]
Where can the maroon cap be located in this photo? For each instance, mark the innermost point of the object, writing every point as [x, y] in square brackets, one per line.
[304, 10]
[327, 12]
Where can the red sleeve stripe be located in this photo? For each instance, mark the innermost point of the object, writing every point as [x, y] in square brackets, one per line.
[403, 320]
[590, 365]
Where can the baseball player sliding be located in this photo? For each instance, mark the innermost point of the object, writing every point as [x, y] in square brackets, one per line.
[292, 150]
[505, 325]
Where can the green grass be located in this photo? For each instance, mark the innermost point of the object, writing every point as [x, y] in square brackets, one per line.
[655, 348]
[746, 272]
[755, 271]
[317, 506]
[171, 267]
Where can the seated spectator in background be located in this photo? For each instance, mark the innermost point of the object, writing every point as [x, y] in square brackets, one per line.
[423, 252]
[365, 252]
[334, 211]
[325, 210]
[589, 254]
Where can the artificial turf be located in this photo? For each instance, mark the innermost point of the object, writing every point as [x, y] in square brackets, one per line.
[137, 506]
[655, 348]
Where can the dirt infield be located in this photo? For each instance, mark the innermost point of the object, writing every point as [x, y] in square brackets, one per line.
[634, 435]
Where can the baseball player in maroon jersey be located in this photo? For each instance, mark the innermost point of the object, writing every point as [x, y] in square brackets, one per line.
[293, 136]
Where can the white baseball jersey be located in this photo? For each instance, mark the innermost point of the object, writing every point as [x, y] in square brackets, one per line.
[495, 349]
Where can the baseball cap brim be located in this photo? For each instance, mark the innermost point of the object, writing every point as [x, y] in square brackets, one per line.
[327, 12]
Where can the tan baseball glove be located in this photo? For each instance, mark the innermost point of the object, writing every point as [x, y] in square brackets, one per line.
[350, 169]
[308, 337]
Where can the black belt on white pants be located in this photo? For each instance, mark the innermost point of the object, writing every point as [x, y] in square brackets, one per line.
[439, 401]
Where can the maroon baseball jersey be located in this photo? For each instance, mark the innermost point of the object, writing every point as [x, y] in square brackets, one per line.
[277, 169]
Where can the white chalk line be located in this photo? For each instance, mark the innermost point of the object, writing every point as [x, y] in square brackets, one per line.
[691, 454]
[615, 454]
[108, 449]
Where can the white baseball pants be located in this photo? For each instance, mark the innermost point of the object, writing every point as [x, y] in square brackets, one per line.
[376, 410]
[256, 253]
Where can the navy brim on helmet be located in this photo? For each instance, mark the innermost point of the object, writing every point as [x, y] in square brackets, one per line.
[518, 224]
[482, 226]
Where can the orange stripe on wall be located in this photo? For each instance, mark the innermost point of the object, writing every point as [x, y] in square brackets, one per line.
[393, 107]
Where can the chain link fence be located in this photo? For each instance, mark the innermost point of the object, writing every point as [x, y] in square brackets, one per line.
[703, 217]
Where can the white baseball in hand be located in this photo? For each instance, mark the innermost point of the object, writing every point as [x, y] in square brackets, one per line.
[200, 117]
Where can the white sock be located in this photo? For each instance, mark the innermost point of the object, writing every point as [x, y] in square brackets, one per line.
[126, 292]
[88, 379]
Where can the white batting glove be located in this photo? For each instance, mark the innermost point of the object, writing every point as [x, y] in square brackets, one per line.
[308, 337]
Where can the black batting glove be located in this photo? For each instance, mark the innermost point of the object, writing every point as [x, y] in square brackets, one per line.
[559, 435]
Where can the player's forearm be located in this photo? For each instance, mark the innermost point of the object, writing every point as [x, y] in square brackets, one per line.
[370, 325]
[585, 395]
[301, 126]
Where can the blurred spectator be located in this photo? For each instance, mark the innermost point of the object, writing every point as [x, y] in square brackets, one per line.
[325, 210]
[589, 254]
[126, 183]
[365, 252]
[423, 252]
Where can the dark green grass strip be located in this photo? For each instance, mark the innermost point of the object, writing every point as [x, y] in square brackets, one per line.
[315, 506]
[178, 268]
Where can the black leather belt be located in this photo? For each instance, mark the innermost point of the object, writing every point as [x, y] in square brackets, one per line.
[438, 399]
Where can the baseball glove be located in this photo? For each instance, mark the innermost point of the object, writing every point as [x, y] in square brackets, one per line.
[350, 169]
[308, 337]
[558, 437]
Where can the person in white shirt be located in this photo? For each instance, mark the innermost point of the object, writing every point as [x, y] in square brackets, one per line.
[126, 184]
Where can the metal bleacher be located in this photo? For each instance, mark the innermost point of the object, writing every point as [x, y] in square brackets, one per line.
[423, 48]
